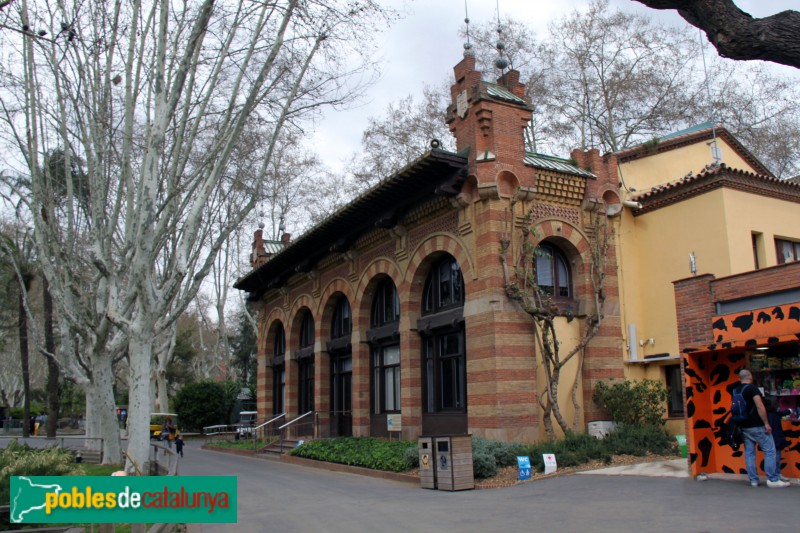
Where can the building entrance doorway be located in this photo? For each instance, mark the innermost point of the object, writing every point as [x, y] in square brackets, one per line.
[342, 396]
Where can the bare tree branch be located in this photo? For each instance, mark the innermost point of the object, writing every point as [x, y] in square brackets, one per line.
[738, 35]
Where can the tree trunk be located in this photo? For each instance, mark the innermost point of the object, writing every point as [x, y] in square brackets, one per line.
[22, 324]
[101, 414]
[141, 350]
[53, 404]
[161, 384]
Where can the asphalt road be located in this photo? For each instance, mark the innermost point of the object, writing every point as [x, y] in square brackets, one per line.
[279, 497]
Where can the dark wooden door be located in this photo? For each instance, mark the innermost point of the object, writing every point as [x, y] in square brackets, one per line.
[342, 396]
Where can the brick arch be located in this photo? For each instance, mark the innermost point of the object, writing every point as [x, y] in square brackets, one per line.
[609, 194]
[507, 183]
[435, 243]
[324, 313]
[575, 244]
[420, 265]
[372, 275]
[379, 266]
[304, 301]
[267, 333]
[562, 231]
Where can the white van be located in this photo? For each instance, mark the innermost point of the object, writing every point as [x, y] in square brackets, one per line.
[247, 422]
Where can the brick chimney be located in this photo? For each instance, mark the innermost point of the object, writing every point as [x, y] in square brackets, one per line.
[259, 254]
[489, 118]
[604, 167]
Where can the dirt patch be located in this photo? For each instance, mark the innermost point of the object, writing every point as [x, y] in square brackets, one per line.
[507, 476]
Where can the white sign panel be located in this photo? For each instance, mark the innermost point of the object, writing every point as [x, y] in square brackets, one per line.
[394, 422]
[549, 463]
[462, 104]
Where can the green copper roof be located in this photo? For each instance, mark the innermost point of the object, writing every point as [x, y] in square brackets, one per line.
[498, 91]
[273, 247]
[558, 164]
[687, 131]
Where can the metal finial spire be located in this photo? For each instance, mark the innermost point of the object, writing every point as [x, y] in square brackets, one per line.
[501, 62]
[468, 51]
[261, 220]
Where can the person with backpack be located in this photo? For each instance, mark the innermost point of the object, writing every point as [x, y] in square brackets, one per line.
[774, 415]
[748, 411]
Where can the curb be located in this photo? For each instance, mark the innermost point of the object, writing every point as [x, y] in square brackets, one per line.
[311, 463]
[231, 451]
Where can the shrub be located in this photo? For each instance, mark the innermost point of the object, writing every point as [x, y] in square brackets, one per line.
[504, 453]
[367, 452]
[412, 457]
[483, 464]
[22, 460]
[639, 440]
[204, 403]
[633, 402]
[575, 449]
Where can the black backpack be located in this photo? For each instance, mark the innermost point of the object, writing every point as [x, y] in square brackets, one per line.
[739, 411]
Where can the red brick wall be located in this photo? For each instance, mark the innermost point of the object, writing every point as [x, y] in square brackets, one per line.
[695, 308]
[695, 297]
[765, 280]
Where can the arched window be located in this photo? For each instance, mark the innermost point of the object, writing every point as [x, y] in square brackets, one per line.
[341, 360]
[385, 305]
[444, 346]
[307, 331]
[305, 365]
[342, 324]
[279, 344]
[444, 288]
[384, 337]
[552, 271]
[278, 370]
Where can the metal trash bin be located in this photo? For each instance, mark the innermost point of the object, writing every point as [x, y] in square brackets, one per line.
[453, 468]
[427, 463]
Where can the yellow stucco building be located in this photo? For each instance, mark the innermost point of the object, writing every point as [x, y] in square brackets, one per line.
[700, 204]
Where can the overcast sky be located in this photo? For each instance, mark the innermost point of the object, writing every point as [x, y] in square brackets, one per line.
[423, 47]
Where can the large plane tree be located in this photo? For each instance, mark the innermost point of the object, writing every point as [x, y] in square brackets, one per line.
[151, 101]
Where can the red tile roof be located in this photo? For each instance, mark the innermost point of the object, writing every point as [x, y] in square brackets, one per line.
[692, 136]
[714, 177]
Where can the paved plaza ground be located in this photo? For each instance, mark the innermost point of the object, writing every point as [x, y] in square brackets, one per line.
[279, 497]
[274, 496]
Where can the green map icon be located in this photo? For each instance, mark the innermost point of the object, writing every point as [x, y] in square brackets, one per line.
[27, 499]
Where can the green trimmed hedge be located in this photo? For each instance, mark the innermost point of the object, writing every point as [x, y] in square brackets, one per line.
[368, 452]
[488, 456]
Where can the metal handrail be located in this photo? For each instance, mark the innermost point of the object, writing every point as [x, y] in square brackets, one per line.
[218, 426]
[289, 423]
[282, 415]
[265, 430]
[170, 456]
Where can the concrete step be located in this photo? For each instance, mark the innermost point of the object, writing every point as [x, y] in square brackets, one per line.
[89, 456]
[281, 447]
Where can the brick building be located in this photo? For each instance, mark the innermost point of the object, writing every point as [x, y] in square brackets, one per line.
[396, 304]
[395, 307]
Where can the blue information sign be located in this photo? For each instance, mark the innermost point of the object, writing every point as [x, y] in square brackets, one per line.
[524, 464]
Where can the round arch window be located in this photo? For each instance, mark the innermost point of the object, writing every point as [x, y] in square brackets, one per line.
[552, 271]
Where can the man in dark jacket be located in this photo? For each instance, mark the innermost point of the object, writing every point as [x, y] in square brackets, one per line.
[757, 430]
